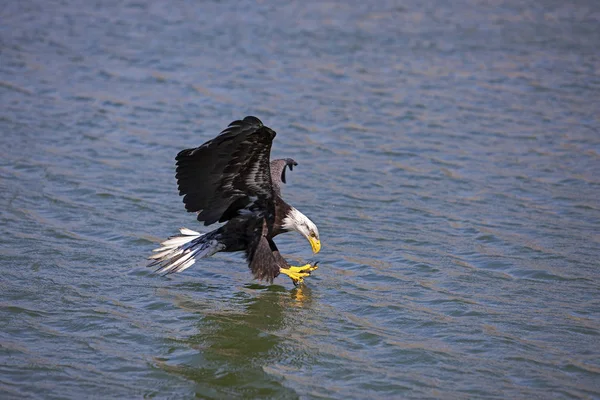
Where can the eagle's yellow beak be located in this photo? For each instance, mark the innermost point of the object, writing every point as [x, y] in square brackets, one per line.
[315, 244]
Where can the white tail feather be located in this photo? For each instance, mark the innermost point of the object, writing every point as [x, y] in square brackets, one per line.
[180, 252]
[189, 232]
[178, 241]
[186, 265]
[177, 262]
[161, 254]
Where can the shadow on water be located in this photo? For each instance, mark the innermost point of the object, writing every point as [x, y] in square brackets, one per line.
[227, 355]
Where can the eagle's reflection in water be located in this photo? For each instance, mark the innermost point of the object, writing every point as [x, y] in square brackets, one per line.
[235, 340]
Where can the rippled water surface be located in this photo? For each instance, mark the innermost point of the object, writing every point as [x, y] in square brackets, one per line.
[449, 153]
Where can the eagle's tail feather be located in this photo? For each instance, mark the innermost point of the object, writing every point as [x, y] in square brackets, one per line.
[180, 252]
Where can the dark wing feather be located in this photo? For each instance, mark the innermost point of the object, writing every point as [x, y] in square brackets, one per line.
[220, 177]
[278, 172]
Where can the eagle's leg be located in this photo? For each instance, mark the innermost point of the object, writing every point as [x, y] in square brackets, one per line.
[297, 274]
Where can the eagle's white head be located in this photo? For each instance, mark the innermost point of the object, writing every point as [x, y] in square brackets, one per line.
[296, 221]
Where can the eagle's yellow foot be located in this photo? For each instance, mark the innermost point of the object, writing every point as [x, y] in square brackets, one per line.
[297, 274]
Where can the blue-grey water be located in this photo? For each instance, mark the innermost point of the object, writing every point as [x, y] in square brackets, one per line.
[449, 153]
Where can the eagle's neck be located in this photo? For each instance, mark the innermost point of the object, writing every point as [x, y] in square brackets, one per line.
[294, 220]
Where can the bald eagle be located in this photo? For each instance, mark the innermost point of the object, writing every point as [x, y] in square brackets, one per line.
[230, 179]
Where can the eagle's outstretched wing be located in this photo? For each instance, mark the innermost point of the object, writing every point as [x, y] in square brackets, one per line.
[278, 168]
[228, 172]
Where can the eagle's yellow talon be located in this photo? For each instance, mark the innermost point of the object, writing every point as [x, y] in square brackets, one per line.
[297, 274]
